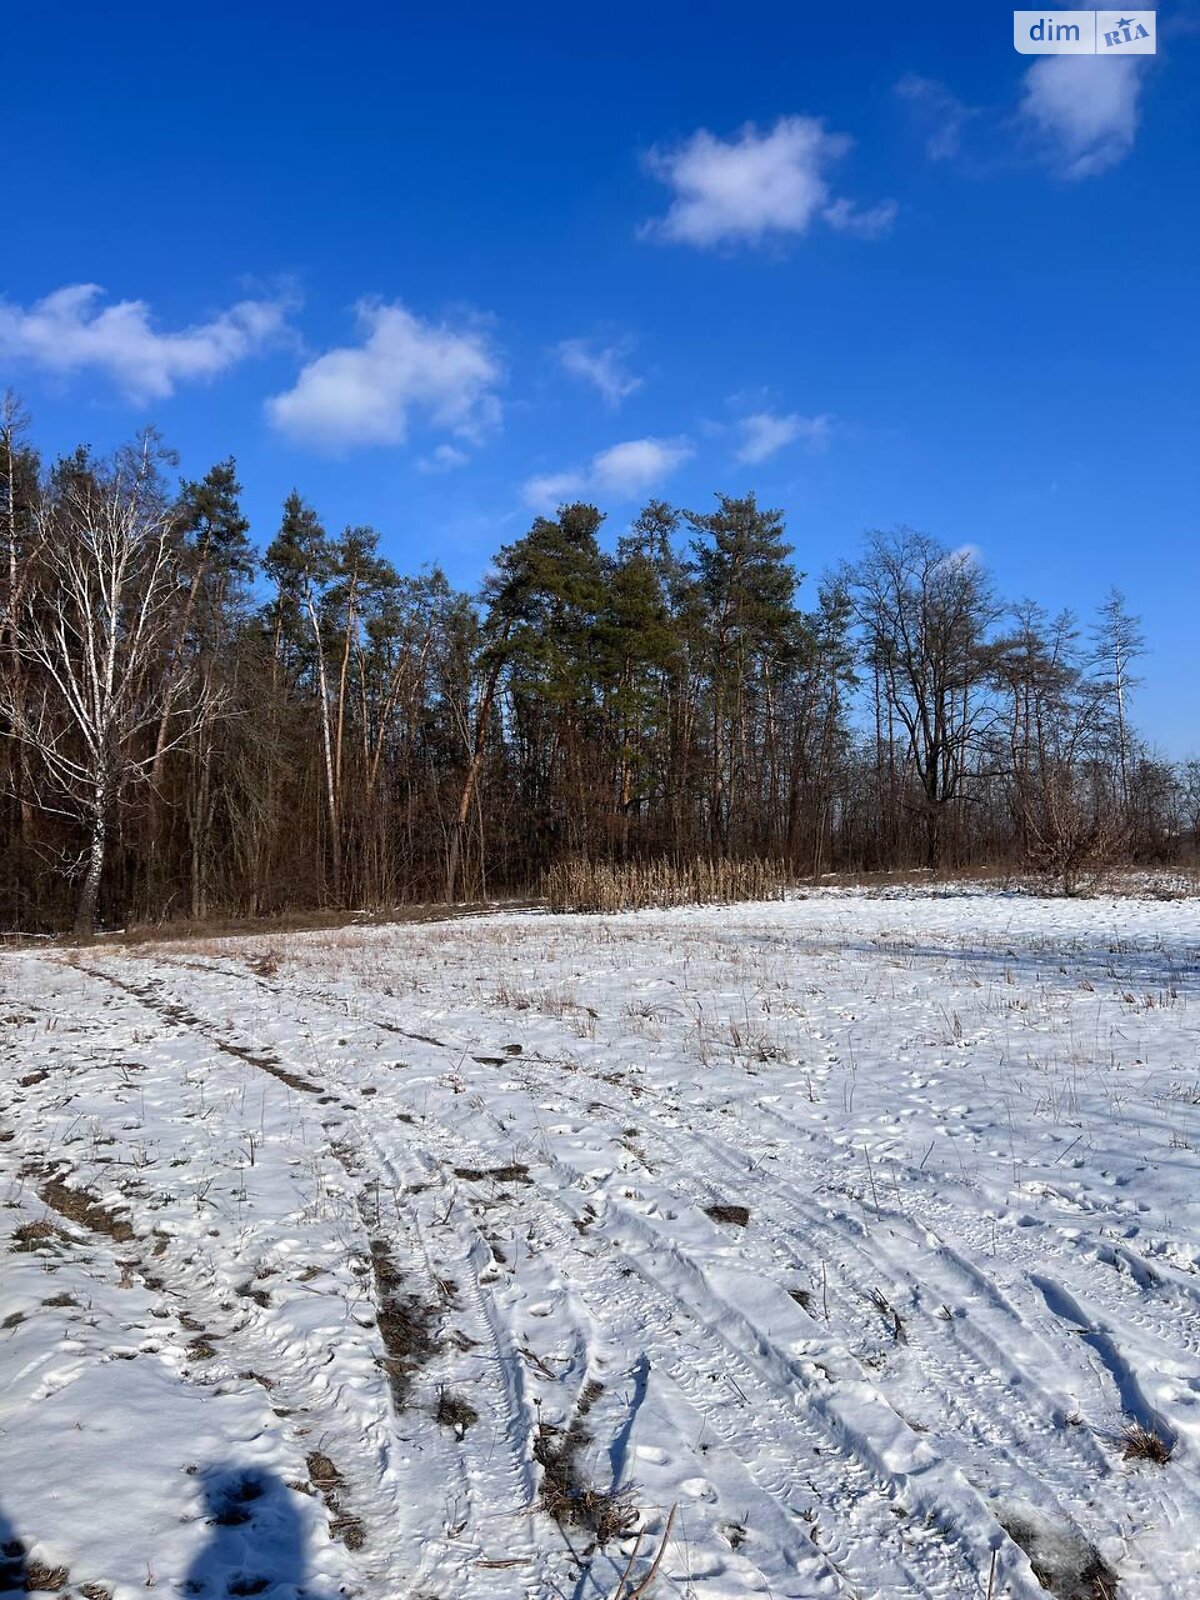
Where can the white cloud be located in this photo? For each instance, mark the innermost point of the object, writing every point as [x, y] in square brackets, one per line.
[967, 555]
[868, 222]
[943, 113]
[553, 489]
[444, 459]
[763, 434]
[627, 469]
[603, 368]
[1084, 109]
[68, 332]
[756, 185]
[623, 472]
[364, 394]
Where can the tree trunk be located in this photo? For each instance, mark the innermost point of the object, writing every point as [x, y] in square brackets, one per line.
[468, 788]
[331, 794]
[85, 916]
[933, 838]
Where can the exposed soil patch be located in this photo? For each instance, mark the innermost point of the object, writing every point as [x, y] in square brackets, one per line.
[406, 1324]
[327, 1481]
[516, 1172]
[738, 1215]
[311, 921]
[80, 1207]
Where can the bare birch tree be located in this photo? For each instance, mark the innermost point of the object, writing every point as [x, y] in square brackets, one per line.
[90, 631]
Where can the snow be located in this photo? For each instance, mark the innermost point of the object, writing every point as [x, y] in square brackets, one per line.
[320, 1250]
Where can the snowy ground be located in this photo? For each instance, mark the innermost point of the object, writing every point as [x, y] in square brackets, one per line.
[334, 1264]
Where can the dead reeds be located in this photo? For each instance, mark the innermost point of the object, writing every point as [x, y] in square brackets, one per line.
[581, 885]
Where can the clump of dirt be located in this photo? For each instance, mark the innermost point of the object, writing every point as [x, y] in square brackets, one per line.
[803, 1298]
[80, 1207]
[739, 1215]
[31, 1236]
[565, 1493]
[329, 1484]
[515, 1172]
[250, 1376]
[201, 1347]
[455, 1412]
[406, 1324]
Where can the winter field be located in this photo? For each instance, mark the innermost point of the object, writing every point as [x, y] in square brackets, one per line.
[841, 1247]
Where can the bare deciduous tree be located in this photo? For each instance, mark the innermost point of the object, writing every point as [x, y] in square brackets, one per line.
[926, 612]
[91, 630]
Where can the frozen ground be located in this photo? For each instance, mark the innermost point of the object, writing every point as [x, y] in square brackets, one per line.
[398, 1262]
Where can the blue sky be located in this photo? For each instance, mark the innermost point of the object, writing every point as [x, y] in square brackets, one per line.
[439, 270]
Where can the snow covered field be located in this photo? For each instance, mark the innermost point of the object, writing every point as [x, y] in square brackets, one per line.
[844, 1247]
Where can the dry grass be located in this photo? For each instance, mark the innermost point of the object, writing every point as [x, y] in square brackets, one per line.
[453, 1411]
[325, 1478]
[1144, 1444]
[640, 885]
[606, 1513]
[31, 1236]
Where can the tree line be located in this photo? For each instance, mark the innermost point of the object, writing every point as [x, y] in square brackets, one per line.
[191, 727]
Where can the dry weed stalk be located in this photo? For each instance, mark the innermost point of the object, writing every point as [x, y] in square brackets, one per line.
[639, 885]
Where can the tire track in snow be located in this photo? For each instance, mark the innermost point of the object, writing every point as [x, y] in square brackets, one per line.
[316, 1408]
[866, 1504]
[870, 1521]
[503, 1490]
[982, 1416]
[496, 1481]
[964, 1373]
